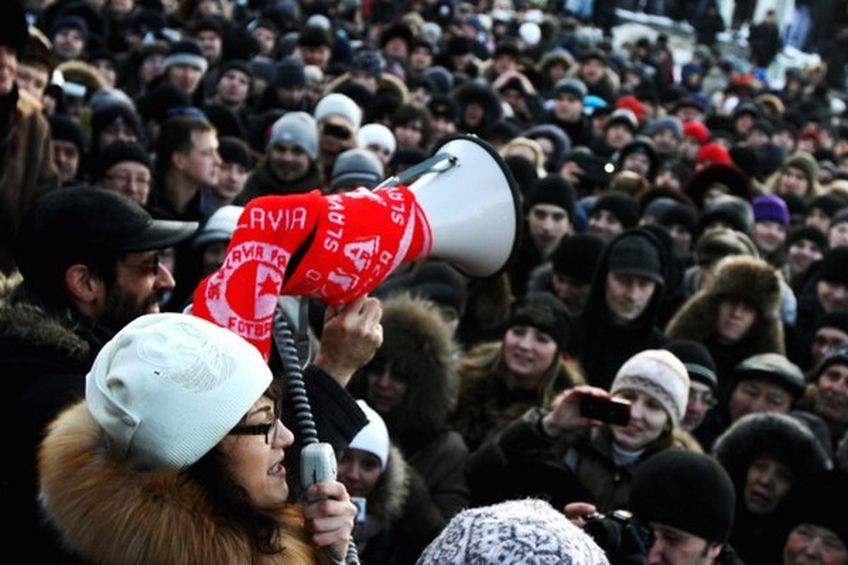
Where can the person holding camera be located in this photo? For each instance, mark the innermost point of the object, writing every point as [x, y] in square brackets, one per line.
[681, 512]
[591, 442]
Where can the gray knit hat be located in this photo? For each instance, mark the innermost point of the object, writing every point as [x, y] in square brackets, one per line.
[339, 105]
[297, 128]
[356, 167]
[661, 124]
[659, 374]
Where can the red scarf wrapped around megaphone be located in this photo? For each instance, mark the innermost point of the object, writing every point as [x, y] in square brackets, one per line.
[345, 245]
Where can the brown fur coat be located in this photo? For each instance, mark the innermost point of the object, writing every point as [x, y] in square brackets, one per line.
[108, 512]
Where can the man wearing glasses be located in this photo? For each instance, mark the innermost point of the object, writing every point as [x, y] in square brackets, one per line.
[90, 264]
[124, 167]
[703, 383]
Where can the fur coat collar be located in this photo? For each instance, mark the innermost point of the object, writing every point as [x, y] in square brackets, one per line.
[108, 512]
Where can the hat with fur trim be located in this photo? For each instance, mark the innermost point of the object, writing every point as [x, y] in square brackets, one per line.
[169, 387]
[779, 436]
[659, 374]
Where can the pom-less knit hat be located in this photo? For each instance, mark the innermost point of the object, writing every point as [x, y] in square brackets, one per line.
[633, 253]
[118, 152]
[185, 52]
[671, 484]
[339, 105]
[374, 437]
[697, 360]
[620, 205]
[833, 266]
[770, 208]
[169, 387]
[576, 256]
[553, 190]
[660, 375]
[544, 312]
[519, 531]
[296, 128]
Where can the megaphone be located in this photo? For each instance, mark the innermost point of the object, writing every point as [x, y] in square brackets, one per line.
[472, 204]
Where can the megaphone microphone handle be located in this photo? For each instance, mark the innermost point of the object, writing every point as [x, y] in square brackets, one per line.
[427, 166]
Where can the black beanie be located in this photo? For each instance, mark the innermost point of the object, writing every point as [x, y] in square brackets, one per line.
[621, 206]
[118, 152]
[679, 215]
[810, 233]
[837, 319]
[234, 150]
[833, 267]
[154, 105]
[65, 129]
[697, 360]
[637, 253]
[440, 283]
[237, 65]
[114, 114]
[553, 190]
[544, 312]
[576, 256]
[523, 171]
[838, 356]
[830, 204]
[685, 490]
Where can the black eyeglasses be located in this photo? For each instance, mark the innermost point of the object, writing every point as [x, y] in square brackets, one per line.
[269, 430]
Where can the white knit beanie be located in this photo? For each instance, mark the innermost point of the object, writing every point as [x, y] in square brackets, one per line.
[377, 134]
[336, 104]
[373, 438]
[169, 387]
[660, 375]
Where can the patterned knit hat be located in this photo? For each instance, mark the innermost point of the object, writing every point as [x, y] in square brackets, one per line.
[659, 374]
[519, 531]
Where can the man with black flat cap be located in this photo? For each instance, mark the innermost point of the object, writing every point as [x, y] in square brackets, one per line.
[26, 153]
[90, 265]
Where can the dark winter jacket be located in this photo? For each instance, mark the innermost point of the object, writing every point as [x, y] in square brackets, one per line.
[600, 345]
[263, 183]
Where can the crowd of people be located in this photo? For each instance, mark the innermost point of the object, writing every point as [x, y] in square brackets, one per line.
[684, 254]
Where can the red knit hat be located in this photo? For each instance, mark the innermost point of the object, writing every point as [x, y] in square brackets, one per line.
[697, 131]
[713, 153]
[634, 105]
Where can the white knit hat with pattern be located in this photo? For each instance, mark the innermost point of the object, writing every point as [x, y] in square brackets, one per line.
[659, 374]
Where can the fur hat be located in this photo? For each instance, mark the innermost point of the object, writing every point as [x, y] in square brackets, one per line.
[518, 531]
[718, 243]
[780, 436]
[685, 490]
[748, 279]
[659, 374]
[168, 387]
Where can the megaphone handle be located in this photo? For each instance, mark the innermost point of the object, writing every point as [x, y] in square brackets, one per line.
[422, 168]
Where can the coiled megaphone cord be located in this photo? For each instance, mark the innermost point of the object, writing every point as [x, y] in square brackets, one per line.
[296, 389]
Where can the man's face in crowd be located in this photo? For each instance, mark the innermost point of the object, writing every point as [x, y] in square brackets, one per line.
[67, 158]
[474, 114]
[735, 319]
[442, 126]
[637, 162]
[202, 164]
[32, 79]
[628, 296]
[832, 395]
[793, 180]
[288, 162]
[802, 254]
[767, 482]
[689, 148]
[231, 181]
[8, 69]
[129, 178]
[548, 224]
[68, 43]
[397, 48]
[568, 108]
[618, 135]
[185, 77]
[210, 44]
[141, 281]
[267, 39]
[688, 113]
[420, 59]
[832, 295]
[813, 544]
[752, 396]
[668, 180]
[837, 236]
[233, 87]
[117, 131]
[317, 56]
[817, 218]
[605, 225]
[827, 339]
[701, 401]
[676, 547]
[336, 135]
[666, 142]
[592, 71]
[785, 140]
[572, 293]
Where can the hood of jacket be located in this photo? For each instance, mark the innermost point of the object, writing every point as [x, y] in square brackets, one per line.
[263, 183]
[418, 349]
[108, 512]
[387, 502]
[748, 279]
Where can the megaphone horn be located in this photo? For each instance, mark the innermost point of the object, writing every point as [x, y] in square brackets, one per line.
[472, 203]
